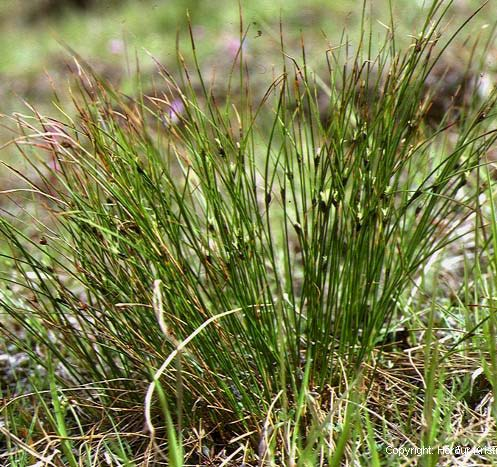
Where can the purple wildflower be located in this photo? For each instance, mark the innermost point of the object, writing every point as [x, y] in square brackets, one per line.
[116, 46]
[176, 108]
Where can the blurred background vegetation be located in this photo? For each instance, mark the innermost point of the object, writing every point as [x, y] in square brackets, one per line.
[112, 34]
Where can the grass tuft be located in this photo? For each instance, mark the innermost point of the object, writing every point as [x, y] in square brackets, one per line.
[220, 272]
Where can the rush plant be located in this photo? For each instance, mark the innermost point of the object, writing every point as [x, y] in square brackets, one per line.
[226, 256]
